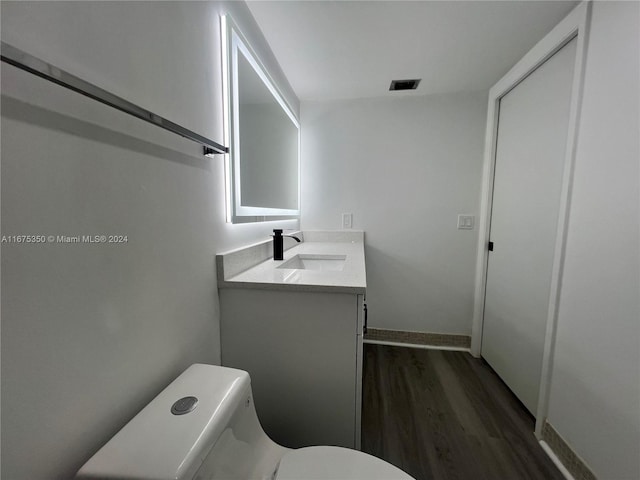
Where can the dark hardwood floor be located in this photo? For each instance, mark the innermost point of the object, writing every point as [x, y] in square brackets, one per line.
[446, 415]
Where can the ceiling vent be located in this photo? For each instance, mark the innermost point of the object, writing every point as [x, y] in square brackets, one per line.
[404, 84]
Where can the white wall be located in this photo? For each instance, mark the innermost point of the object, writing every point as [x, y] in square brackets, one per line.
[405, 167]
[595, 390]
[90, 333]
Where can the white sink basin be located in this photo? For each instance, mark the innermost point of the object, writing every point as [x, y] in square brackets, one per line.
[333, 263]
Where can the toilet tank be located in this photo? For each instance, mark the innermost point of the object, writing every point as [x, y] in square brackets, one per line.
[217, 435]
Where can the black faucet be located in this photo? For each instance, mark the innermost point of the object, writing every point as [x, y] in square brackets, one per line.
[278, 244]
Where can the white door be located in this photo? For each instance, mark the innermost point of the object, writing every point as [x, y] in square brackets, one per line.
[532, 133]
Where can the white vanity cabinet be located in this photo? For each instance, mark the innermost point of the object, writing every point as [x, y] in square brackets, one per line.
[303, 351]
[299, 335]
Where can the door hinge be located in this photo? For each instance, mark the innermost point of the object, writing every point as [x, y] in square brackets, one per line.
[366, 314]
[491, 246]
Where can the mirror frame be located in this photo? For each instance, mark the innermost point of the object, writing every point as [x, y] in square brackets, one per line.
[233, 43]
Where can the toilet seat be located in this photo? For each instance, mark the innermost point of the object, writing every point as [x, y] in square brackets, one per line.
[335, 463]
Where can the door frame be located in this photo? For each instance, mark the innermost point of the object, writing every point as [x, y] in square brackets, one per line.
[574, 25]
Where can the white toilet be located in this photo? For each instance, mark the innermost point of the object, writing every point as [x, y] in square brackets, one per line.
[204, 426]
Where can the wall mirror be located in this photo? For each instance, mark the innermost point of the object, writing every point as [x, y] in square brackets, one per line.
[263, 136]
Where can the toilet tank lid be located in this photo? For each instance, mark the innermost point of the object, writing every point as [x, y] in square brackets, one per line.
[158, 444]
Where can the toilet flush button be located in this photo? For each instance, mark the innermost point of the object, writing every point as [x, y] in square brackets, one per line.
[184, 405]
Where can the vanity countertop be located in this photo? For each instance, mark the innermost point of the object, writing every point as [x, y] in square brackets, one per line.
[267, 276]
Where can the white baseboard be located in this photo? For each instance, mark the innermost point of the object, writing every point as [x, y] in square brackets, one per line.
[415, 345]
[556, 460]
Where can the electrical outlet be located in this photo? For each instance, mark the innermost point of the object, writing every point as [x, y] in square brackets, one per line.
[347, 220]
[466, 222]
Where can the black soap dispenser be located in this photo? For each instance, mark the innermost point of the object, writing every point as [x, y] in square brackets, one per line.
[278, 244]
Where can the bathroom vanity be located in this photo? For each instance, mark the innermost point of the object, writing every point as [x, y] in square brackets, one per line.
[296, 326]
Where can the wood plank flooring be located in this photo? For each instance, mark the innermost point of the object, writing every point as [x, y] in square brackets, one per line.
[445, 415]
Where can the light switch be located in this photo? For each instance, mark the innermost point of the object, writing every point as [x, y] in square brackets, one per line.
[466, 222]
[347, 220]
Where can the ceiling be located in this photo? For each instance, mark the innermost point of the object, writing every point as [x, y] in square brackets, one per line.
[353, 49]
